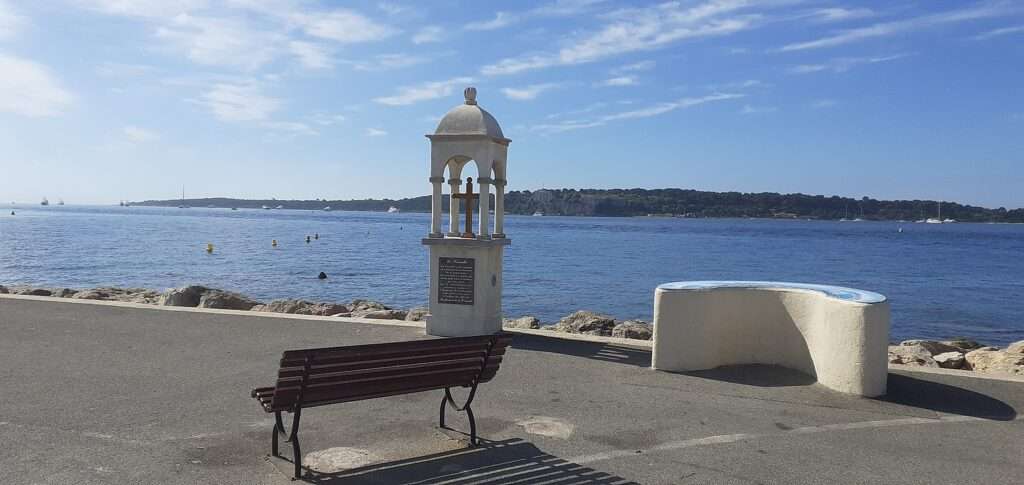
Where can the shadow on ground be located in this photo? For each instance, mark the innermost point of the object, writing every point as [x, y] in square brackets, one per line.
[619, 354]
[493, 462]
[754, 375]
[943, 398]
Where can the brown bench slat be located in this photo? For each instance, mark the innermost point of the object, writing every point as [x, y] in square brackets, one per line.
[383, 372]
[285, 398]
[296, 357]
[319, 367]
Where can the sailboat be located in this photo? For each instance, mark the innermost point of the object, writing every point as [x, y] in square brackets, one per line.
[44, 202]
[183, 206]
[60, 202]
[393, 209]
[935, 220]
[327, 209]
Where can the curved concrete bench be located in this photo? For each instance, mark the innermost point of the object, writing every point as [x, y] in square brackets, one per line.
[838, 335]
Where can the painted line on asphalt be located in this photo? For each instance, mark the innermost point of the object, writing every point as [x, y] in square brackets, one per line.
[733, 438]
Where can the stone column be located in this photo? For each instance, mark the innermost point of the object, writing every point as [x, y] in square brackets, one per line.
[485, 207]
[499, 208]
[435, 207]
[454, 209]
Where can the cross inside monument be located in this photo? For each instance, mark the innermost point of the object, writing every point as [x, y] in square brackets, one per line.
[468, 197]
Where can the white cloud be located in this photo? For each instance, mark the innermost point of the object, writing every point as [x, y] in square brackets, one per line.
[375, 132]
[11, 22]
[239, 102]
[639, 29]
[565, 8]
[323, 119]
[143, 8]
[430, 33]
[220, 41]
[840, 14]
[824, 103]
[634, 67]
[311, 55]
[753, 110]
[28, 89]
[620, 81]
[391, 8]
[342, 26]
[423, 92]
[118, 69]
[385, 62]
[528, 92]
[883, 29]
[501, 19]
[1017, 29]
[843, 64]
[654, 110]
[290, 127]
[139, 135]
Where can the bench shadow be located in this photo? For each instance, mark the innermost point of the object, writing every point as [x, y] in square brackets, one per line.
[619, 354]
[944, 398]
[493, 462]
[760, 375]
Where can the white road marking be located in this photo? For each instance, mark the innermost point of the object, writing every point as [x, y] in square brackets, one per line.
[732, 438]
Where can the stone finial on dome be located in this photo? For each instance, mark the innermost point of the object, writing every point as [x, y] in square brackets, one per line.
[470, 94]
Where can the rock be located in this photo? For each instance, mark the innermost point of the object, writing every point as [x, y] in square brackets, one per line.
[995, 361]
[1016, 347]
[33, 292]
[64, 292]
[382, 314]
[130, 295]
[187, 296]
[301, 307]
[358, 306]
[522, 322]
[949, 360]
[963, 344]
[931, 346]
[586, 322]
[911, 355]
[226, 300]
[417, 314]
[635, 329]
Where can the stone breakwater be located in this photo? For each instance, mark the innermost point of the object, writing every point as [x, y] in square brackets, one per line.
[961, 353]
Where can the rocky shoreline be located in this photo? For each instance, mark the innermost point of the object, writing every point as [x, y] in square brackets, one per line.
[959, 353]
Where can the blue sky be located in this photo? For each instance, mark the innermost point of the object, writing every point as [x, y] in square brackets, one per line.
[102, 100]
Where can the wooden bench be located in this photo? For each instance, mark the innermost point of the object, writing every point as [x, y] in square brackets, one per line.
[317, 377]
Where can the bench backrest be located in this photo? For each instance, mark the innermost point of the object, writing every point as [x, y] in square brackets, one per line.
[314, 377]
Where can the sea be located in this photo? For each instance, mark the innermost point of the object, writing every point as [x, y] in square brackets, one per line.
[943, 280]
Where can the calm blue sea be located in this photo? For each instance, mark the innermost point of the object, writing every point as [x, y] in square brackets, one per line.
[943, 280]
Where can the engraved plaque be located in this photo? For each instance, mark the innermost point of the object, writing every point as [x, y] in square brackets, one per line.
[455, 280]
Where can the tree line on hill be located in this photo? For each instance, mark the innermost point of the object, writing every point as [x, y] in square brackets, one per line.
[660, 202]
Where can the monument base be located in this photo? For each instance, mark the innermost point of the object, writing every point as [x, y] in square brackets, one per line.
[465, 286]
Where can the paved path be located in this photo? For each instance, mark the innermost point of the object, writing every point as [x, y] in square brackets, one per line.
[104, 394]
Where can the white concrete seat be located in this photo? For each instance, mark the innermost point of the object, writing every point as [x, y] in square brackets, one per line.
[837, 335]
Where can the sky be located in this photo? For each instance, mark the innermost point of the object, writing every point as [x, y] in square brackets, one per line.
[108, 100]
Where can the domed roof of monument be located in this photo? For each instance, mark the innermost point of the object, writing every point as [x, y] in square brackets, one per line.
[469, 119]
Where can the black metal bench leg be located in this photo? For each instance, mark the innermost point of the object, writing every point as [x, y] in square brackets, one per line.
[444, 403]
[472, 426]
[278, 430]
[294, 440]
[469, 412]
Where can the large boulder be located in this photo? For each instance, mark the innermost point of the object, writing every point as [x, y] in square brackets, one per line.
[635, 329]
[949, 360]
[586, 322]
[528, 321]
[417, 314]
[932, 346]
[33, 292]
[911, 355]
[1016, 347]
[995, 361]
[382, 314]
[186, 296]
[362, 306]
[963, 344]
[301, 307]
[64, 292]
[131, 295]
[226, 300]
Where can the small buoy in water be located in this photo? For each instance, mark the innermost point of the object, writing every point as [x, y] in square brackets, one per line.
[322, 276]
[901, 230]
[209, 248]
[12, 213]
[308, 239]
[316, 236]
[273, 243]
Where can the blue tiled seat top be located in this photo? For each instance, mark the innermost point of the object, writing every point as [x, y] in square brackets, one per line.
[838, 292]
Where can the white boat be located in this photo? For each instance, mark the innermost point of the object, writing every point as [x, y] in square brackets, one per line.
[326, 209]
[183, 206]
[393, 209]
[538, 214]
[279, 207]
[44, 202]
[936, 220]
[264, 207]
[60, 202]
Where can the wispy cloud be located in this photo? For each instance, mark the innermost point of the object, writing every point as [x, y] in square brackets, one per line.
[11, 22]
[619, 81]
[653, 110]
[290, 127]
[976, 12]
[840, 14]
[375, 132]
[139, 135]
[311, 55]
[28, 89]
[501, 19]
[118, 69]
[634, 67]
[385, 62]
[638, 29]
[324, 119]
[556, 8]
[528, 92]
[143, 8]
[423, 92]
[220, 41]
[843, 64]
[343, 26]
[1017, 29]
[824, 103]
[428, 34]
[392, 8]
[754, 110]
[239, 102]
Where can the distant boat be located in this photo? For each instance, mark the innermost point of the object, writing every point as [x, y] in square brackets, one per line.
[60, 202]
[44, 202]
[279, 207]
[538, 214]
[264, 207]
[326, 209]
[183, 206]
[393, 209]
[234, 208]
[935, 220]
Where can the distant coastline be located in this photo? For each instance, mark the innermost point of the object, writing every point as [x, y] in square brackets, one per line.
[658, 202]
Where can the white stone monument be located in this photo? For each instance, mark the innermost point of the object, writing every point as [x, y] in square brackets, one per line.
[465, 265]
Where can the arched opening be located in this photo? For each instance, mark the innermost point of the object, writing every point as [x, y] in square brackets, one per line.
[458, 171]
